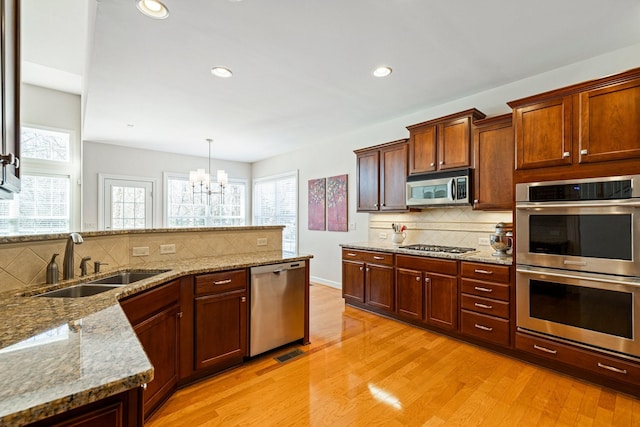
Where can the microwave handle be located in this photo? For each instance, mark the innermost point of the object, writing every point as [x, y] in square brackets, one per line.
[452, 186]
[536, 205]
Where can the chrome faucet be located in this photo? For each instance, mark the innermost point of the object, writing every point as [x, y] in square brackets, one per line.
[67, 264]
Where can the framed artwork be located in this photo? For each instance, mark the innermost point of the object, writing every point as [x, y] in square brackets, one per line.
[337, 203]
[317, 204]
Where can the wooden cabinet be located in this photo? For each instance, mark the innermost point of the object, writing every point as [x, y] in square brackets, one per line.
[485, 298]
[220, 319]
[493, 148]
[155, 315]
[439, 294]
[368, 277]
[587, 129]
[409, 293]
[443, 143]
[381, 176]
[123, 410]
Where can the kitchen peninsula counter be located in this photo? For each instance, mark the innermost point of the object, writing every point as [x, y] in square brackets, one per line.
[92, 351]
[475, 256]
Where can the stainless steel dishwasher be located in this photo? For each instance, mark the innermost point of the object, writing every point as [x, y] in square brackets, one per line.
[277, 305]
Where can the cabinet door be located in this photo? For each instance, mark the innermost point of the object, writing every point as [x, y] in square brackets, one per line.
[409, 291]
[423, 150]
[393, 177]
[353, 280]
[160, 338]
[454, 144]
[368, 180]
[543, 134]
[220, 330]
[379, 286]
[610, 123]
[494, 162]
[441, 303]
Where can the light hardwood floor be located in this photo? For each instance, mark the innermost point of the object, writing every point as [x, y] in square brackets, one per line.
[364, 370]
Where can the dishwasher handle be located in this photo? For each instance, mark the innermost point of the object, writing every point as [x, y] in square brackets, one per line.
[277, 269]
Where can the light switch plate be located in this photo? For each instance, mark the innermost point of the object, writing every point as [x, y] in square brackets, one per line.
[382, 235]
[262, 241]
[168, 249]
[140, 251]
[483, 241]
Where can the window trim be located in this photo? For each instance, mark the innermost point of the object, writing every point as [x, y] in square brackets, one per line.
[181, 175]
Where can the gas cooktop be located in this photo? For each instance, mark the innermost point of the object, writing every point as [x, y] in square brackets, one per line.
[437, 248]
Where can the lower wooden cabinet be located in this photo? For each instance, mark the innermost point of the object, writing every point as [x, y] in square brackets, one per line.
[220, 320]
[122, 410]
[409, 293]
[155, 316]
[368, 278]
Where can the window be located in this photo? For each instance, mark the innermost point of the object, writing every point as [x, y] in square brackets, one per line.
[44, 202]
[126, 202]
[275, 201]
[185, 209]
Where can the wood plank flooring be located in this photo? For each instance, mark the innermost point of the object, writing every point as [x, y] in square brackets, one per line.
[364, 370]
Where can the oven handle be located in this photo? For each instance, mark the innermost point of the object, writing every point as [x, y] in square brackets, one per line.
[590, 204]
[533, 271]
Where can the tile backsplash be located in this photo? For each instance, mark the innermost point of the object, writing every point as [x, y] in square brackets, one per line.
[455, 226]
[24, 264]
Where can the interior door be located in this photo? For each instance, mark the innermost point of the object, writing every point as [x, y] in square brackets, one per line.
[128, 204]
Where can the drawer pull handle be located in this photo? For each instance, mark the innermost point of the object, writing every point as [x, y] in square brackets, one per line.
[350, 254]
[584, 152]
[546, 350]
[477, 270]
[478, 288]
[484, 328]
[488, 307]
[222, 282]
[378, 257]
[612, 368]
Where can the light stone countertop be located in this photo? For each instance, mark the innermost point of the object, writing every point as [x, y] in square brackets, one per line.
[476, 256]
[60, 353]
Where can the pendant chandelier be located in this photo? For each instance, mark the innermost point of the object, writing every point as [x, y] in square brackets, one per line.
[201, 182]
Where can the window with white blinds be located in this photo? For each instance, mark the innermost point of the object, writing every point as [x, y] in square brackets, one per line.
[44, 202]
[275, 201]
[184, 209]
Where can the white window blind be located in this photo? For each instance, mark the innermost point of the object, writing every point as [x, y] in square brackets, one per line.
[275, 201]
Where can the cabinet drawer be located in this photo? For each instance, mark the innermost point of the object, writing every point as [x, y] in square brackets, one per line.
[485, 289]
[591, 361]
[381, 258]
[432, 265]
[221, 282]
[488, 306]
[481, 271]
[487, 328]
[142, 306]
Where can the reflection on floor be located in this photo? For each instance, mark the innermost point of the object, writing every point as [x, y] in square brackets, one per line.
[363, 370]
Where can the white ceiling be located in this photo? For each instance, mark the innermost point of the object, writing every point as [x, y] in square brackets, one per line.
[302, 68]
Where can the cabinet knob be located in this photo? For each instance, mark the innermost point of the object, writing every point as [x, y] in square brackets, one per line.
[584, 152]
[442, 163]
[432, 164]
[566, 154]
[427, 280]
[418, 278]
[475, 201]
[144, 386]
[375, 205]
[361, 268]
[368, 269]
[243, 299]
[179, 315]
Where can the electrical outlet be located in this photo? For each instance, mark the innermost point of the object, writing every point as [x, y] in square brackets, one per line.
[483, 241]
[140, 251]
[262, 241]
[168, 249]
[352, 226]
[382, 235]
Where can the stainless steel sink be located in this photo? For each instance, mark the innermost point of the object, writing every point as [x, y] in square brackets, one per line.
[78, 291]
[128, 276]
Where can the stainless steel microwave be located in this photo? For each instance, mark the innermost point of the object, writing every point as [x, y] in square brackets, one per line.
[439, 188]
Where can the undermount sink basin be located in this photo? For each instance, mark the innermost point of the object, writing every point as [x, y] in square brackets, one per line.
[102, 285]
[78, 291]
[128, 276]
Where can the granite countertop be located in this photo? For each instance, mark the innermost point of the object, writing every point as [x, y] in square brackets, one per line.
[60, 353]
[476, 256]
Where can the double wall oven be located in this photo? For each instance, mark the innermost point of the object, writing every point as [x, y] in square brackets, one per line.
[578, 261]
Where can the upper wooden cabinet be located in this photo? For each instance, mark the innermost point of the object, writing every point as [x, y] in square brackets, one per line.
[493, 149]
[381, 177]
[442, 143]
[579, 126]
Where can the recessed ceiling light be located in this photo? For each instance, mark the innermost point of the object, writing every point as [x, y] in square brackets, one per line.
[153, 8]
[221, 72]
[382, 71]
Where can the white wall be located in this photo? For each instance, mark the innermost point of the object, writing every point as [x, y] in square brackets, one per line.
[132, 162]
[336, 156]
[56, 110]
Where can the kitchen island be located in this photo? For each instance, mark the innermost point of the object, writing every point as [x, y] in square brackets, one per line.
[90, 350]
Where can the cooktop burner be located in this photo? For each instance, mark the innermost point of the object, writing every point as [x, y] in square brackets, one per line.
[436, 248]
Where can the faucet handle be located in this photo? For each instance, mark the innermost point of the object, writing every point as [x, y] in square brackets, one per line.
[83, 265]
[97, 265]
